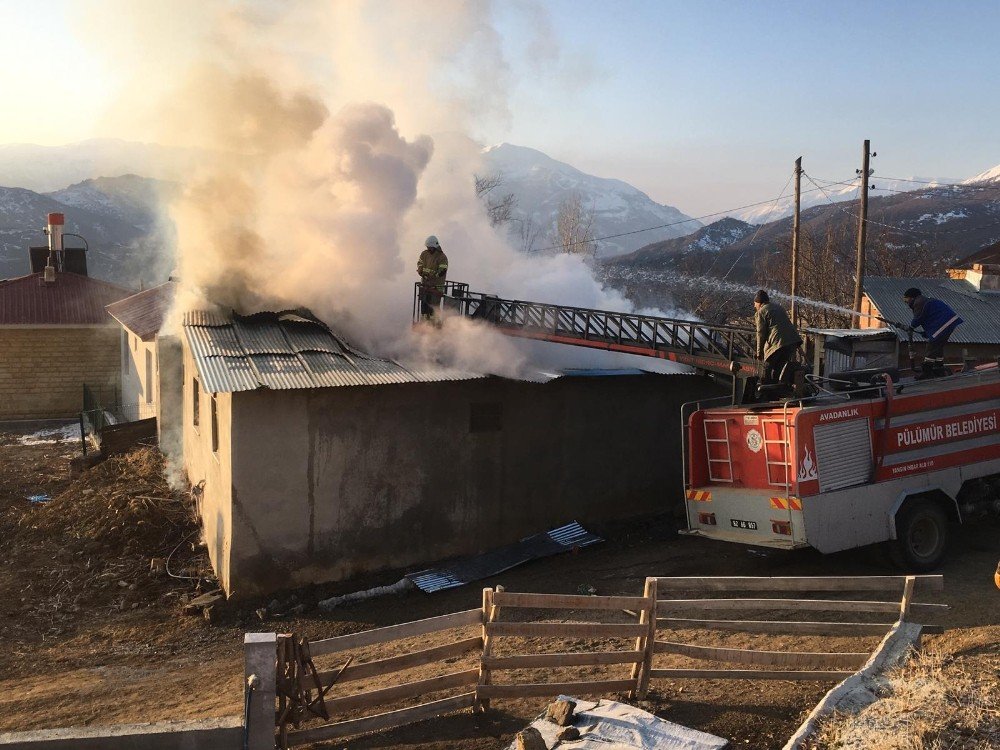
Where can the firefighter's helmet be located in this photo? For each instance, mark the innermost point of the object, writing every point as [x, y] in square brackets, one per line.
[432, 241]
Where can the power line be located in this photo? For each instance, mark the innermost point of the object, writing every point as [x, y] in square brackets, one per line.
[930, 233]
[665, 226]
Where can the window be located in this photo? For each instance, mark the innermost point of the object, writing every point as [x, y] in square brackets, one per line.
[124, 347]
[195, 411]
[215, 425]
[485, 417]
[135, 343]
[149, 377]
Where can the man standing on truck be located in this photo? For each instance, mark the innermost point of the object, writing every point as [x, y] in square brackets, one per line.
[777, 338]
[938, 322]
[432, 266]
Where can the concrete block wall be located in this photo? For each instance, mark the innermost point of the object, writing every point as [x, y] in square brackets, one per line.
[331, 483]
[43, 368]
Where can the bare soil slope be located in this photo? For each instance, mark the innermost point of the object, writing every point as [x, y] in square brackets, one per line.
[86, 648]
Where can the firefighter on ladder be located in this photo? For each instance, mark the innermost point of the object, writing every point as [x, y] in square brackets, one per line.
[938, 322]
[432, 266]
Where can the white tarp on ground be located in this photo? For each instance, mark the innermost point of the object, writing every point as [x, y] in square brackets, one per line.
[609, 725]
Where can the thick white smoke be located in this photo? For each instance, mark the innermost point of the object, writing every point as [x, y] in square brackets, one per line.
[320, 181]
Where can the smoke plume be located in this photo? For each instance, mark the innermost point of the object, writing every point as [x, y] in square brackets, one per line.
[337, 136]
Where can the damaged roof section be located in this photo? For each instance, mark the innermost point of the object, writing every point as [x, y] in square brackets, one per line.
[144, 313]
[288, 350]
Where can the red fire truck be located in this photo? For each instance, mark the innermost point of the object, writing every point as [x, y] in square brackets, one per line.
[856, 457]
[895, 462]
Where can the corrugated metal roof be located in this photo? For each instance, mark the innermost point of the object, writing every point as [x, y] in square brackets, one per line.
[72, 300]
[288, 350]
[143, 313]
[981, 312]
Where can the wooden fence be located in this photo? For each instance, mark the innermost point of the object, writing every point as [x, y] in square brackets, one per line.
[794, 665]
[493, 629]
[655, 613]
[460, 680]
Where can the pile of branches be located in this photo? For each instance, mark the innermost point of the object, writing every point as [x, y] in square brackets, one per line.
[123, 506]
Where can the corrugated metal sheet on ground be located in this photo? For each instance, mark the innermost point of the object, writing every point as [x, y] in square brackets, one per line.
[981, 312]
[610, 725]
[468, 569]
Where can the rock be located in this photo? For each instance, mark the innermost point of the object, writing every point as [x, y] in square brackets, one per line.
[561, 712]
[530, 739]
[298, 609]
[569, 734]
[261, 613]
[273, 606]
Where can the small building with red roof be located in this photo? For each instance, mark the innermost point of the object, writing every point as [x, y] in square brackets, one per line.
[55, 337]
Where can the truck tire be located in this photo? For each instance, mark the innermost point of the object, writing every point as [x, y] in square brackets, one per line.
[921, 536]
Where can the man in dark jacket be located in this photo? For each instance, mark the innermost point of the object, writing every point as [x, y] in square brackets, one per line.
[777, 338]
[938, 322]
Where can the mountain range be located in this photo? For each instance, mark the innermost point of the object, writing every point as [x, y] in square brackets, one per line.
[542, 184]
[118, 217]
[945, 223]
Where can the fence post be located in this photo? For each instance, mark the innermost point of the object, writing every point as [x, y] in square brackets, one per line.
[645, 643]
[904, 604]
[259, 685]
[483, 704]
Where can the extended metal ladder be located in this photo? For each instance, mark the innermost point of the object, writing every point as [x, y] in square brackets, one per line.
[726, 350]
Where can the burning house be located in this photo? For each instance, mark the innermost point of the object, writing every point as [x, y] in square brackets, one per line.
[317, 461]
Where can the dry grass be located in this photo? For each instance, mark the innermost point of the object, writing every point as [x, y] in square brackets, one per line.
[933, 702]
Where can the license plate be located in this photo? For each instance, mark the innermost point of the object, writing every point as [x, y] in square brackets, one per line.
[738, 524]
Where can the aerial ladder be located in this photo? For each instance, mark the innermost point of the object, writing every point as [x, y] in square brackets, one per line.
[719, 350]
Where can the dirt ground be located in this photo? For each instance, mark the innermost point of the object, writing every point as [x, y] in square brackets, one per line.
[94, 637]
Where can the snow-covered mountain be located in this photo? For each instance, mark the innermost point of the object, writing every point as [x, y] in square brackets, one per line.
[542, 184]
[130, 198]
[116, 215]
[990, 175]
[824, 191]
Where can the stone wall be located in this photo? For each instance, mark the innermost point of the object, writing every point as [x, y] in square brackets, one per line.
[43, 368]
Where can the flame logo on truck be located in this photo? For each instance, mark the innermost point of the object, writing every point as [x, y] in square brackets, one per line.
[807, 469]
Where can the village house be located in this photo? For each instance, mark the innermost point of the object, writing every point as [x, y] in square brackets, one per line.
[316, 461]
[56, 337]
[141, 317]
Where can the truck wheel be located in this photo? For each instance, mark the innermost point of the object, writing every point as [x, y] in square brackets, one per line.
[921, 536]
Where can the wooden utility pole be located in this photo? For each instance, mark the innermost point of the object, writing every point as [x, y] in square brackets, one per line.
[795, 238]
[859, 273]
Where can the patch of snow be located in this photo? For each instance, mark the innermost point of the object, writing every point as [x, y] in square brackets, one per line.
[49, 436]
[942, 218]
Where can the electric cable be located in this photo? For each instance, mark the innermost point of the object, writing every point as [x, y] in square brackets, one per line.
[664, 226]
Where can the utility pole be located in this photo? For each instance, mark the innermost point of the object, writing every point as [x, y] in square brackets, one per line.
[795, 238]
[859, 273]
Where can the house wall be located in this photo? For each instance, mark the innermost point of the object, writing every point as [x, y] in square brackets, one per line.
[139, 375]
[209, 468]
[43, 368]
[335, 482]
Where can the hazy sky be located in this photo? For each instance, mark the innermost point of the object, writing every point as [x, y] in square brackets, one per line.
[704, 105]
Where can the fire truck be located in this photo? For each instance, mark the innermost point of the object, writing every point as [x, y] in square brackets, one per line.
[842, 459]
